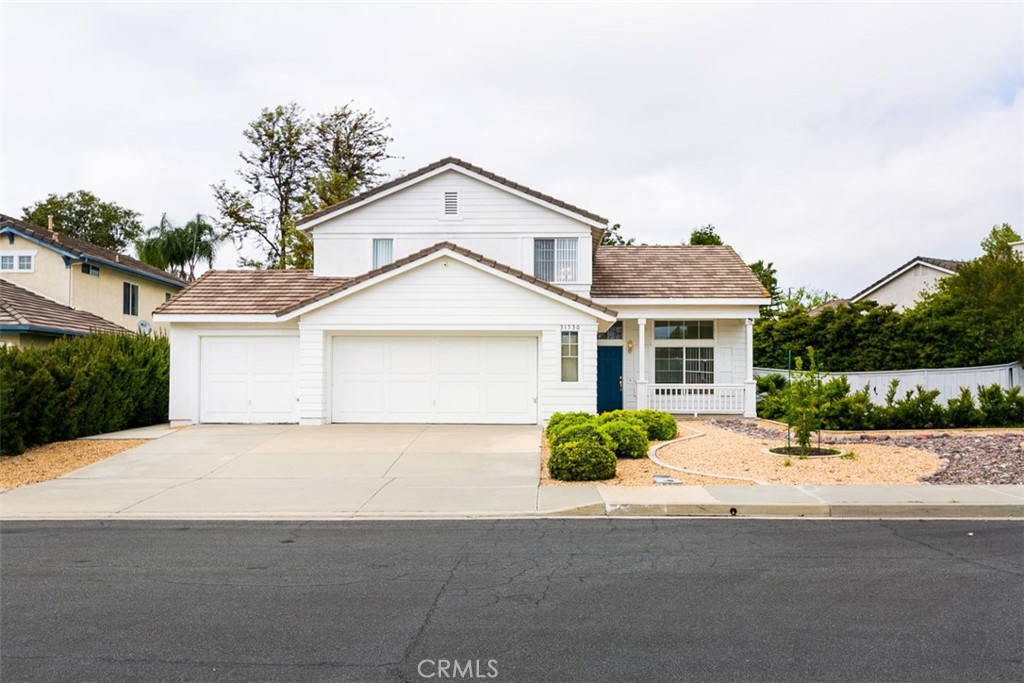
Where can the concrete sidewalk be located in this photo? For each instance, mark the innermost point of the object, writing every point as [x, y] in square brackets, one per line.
[400, 471]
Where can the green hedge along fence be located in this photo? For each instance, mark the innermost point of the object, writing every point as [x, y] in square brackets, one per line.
[80, 386]
[840, 408]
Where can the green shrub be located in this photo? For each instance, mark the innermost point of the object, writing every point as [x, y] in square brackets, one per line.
[557, 420]
[630, 416]
[771, 383]
[582, 461]
[579, 432]
[918, 409]
[661, 426]
[80, 386]
[1002, 408]
[629, 440]
[962, 411]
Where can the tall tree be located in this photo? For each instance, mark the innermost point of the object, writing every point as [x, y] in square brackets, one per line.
[999, 239]
[705, 235]
[179, 249]
[766, 273]
[297, 164]
[83, 215]
[613, 237]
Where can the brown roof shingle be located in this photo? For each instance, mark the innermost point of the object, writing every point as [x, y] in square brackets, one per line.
[672, 272]
[22, 308]
[469, 167]
[251, 292]
[279, 292]
[82, 248]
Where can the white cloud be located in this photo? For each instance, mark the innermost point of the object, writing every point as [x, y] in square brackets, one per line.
[836, 140]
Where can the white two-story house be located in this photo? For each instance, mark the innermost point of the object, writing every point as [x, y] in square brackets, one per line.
[453, 295]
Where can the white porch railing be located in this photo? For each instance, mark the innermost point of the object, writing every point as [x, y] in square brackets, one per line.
[688, 399]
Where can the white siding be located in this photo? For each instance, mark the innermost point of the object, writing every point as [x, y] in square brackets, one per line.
[491, 222]
[447, 296]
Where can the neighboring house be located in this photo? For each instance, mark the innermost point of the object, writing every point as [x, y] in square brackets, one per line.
[904, 286]
[30, 319]
[1018, 247]
[83, 276]
[452, 295]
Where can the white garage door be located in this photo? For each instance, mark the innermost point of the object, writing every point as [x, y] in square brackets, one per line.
[248, 379]
[475, 380]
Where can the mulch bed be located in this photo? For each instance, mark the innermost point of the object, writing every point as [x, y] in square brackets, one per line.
[971, 457]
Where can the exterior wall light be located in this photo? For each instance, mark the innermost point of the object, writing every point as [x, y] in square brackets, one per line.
[629, 346]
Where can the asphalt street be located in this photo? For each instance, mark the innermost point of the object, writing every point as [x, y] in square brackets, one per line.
[516, 600]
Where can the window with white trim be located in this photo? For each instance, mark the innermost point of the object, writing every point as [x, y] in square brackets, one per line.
[383, 252]
[684, 352]
[684, 365]
[89, 269]
[570, 356]
[554, 259]
[23, 262]
[130, 299]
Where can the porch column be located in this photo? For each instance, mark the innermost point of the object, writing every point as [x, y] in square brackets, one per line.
[750, 386]
[641, 366]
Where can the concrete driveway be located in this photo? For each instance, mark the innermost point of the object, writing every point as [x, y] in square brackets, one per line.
[290, 471]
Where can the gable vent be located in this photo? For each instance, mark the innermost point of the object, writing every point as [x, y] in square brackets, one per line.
[451, 203]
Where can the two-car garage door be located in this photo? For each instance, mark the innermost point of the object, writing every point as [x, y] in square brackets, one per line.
[482, 380]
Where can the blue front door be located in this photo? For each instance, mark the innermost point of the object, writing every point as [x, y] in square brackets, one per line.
[609, 378]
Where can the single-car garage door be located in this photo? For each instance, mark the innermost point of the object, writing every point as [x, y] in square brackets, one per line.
[248, 379]
[475, 380]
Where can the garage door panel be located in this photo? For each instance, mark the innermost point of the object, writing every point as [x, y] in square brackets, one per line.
[248, 379]
[437, 379]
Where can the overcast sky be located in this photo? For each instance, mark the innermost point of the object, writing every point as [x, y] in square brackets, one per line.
[837, 140]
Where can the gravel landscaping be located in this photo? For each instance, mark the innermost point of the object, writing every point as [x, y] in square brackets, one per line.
[966, 456]
[54, 459]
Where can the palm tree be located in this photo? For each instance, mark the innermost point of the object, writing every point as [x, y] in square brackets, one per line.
[179, 249]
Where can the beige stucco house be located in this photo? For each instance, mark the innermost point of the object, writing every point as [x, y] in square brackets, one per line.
[77, 276]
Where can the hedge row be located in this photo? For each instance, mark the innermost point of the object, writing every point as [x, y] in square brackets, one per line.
[839, 408]
[80, 386]
[585, 447]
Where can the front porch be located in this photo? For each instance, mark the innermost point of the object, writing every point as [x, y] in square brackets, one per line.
[680, 362]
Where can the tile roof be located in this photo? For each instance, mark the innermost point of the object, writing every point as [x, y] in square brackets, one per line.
[463, 164]
[279, 292]
[22, 308]
[944, 264]
[248, 292]
[81, 248]
[672, 272]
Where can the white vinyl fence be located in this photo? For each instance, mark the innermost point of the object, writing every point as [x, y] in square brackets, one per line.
[947, 380]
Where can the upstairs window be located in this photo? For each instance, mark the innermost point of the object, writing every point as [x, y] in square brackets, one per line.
[383, 250]
[554, 260]
[13, 263]
[131, 299]
[89, 269]
[684, 329]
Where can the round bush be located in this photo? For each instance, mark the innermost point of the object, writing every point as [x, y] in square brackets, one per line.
[628, 439]
[560, 421]
[582, 461]
[579, 432]
[660, 425]
[622, 415]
